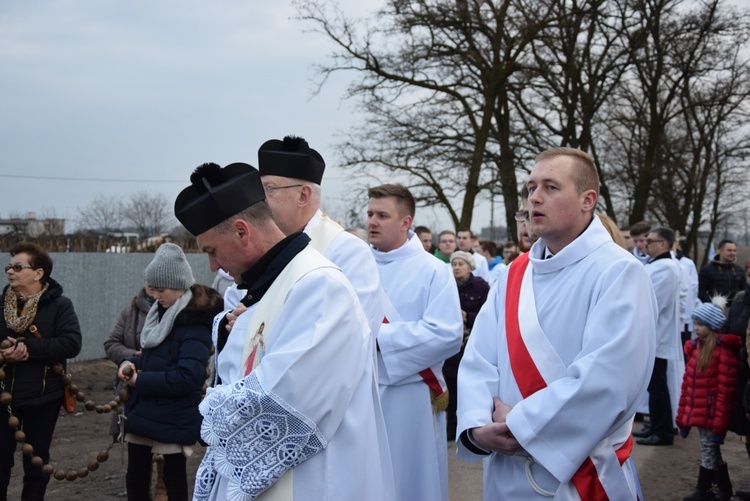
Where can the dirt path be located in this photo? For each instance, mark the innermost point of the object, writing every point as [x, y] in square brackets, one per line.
[666, 473]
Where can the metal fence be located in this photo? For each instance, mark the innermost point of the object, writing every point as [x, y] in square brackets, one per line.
[101, 285]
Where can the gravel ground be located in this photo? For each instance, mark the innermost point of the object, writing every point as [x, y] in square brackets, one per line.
[666, 473]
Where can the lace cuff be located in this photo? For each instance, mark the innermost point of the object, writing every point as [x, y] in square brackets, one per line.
[253, 437]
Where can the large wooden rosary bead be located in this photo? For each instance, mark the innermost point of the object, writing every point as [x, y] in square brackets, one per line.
[90, 405]
[5, 344]
[47, 469]
[73, 389]
[13, 422]
[83, 472]
[80, 397]
[93, 466]
[58, 369]
[37, 462]
[5, 398]
[20, 436]
[102, 456]
[27, 449]
[127, 371]
[71, 475]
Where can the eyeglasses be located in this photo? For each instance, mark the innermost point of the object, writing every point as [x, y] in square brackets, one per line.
[270, 190]
[522, 216]
[16, 267]
[649, 241]
[447, 241]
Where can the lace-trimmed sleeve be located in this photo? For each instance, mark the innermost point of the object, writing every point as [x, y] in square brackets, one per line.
[253, 437]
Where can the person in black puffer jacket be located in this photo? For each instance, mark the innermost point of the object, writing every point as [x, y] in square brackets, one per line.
[737, 323]
[161, 415]
[33, 302]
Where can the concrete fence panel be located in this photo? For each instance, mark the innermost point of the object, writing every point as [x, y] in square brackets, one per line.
[101, 285]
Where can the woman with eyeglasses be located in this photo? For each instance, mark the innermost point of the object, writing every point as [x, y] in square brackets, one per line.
[40, 329]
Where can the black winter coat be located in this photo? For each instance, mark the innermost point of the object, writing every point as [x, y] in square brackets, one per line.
[739, 315]
[32, 382]
[717, 278]
[163, 405]
[472, 294]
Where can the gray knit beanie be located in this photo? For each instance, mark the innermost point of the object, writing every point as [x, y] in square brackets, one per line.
[169, 269]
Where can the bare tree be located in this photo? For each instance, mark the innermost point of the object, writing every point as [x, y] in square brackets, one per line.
[435, 80]
[149, 213]
[579, 61]
[460, 94]
[101, 215]
[675, 138]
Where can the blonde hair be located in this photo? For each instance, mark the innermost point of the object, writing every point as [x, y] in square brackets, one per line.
[706, 350]
[613, 230]
[585, 175]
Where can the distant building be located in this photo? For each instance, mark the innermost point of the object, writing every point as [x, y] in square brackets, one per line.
[32, 226]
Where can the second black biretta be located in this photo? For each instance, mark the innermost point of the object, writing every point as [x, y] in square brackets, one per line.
[292, 158]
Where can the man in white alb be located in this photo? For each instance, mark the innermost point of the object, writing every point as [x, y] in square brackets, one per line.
[422, 326]
[560, 352]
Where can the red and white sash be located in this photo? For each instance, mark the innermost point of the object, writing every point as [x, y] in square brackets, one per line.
[435, 382]
[534, 362]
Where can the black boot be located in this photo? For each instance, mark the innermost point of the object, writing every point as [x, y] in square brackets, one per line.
[744, 494]
[724, 492]
[704, 489]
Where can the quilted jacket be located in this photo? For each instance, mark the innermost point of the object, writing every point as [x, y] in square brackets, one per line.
[707, 396]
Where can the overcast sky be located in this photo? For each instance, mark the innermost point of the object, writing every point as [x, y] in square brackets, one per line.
[138, 93]
[141, 92]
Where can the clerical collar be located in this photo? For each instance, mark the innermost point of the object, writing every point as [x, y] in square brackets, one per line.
[666, 255]
[259, 277]
[548, 253]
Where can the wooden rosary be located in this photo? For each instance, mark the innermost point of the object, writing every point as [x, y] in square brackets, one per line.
[67, 381]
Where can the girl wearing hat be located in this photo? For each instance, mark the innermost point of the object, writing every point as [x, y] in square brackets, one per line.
[166, 379]
[706, 400]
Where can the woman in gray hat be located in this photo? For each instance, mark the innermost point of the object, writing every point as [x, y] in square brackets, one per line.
[166, 379]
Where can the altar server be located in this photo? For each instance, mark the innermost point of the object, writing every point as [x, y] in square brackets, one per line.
[422, 327]
[560, 353]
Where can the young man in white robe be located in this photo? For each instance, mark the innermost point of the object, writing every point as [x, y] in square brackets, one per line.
[669, 364]
[422, 327]
[560, 352]
[690, 301]
[292, 416]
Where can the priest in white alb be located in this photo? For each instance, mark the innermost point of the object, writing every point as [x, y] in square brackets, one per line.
[292, 416]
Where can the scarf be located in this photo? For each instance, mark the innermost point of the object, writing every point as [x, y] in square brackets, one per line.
[19, 323]
[155, 331]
